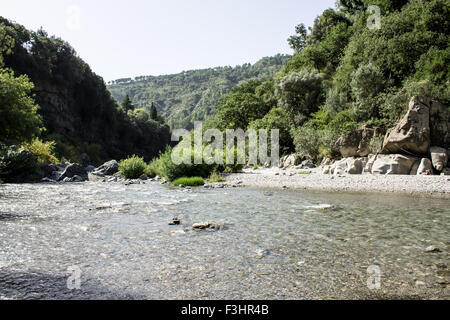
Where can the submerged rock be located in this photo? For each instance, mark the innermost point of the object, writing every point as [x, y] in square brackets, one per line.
[432, 249]
[175, 222]
[207, 225]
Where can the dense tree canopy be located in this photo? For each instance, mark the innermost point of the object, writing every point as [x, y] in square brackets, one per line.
[181, 99]
[78, 111]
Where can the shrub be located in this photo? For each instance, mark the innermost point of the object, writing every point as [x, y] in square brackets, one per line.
[164, 166]
[216, 177]
[191, 182]
[44, 151]
[17, 166]
[154, 168]
[132, 168]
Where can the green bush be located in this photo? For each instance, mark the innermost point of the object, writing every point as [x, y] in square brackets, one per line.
[164, 166]
[132, 168]
[216, 177]
[42, 150]
[189, 182]
[153, 169]
[17, 166]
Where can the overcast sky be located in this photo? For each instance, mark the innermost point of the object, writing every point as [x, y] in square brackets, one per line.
[137, 37]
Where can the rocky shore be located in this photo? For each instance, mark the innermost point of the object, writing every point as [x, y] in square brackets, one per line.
[314, 179]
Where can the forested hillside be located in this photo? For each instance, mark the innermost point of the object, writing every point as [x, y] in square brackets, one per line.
[348, 72]
[192, 95]
[75, 109]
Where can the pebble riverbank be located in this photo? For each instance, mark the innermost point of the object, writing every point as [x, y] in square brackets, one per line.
[313, 179]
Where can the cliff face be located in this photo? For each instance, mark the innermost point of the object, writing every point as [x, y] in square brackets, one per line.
[77, 109]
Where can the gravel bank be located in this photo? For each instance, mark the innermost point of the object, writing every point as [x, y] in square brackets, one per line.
[425, 186]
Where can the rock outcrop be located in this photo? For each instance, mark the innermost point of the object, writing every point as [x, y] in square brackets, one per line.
[393, 164]
[357, 143]
[439, 158]
[439, 125]
[412, 134]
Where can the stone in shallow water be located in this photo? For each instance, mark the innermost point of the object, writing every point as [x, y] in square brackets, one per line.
[432, 249]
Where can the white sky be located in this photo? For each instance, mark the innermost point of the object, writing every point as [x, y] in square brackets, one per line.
[136, 37]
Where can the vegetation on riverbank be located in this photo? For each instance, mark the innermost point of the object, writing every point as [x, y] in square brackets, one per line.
[47, 91]
[345, 75]
[189, 182]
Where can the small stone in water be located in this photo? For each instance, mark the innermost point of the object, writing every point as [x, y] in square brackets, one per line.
[432, 249]
[175, 222]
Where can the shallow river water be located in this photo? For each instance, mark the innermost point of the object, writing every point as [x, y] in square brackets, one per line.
[275, 245]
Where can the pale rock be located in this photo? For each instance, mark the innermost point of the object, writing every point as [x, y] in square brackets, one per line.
[439, 158]
[393, 164]
[425, 167]
[412, 133]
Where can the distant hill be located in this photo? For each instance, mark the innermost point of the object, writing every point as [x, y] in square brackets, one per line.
[192, 95]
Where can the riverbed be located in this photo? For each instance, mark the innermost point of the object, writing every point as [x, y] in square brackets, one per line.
[274, 244]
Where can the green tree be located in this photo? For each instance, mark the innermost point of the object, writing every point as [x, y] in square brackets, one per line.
[153, 112]
[127, 104]
[19, 120]
[300, 94]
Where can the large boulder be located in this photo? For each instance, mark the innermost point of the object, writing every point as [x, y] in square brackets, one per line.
[356, 143]
[412, 134]
[72, 170]
[347, 165]
[290, 161]
[425, 167]
[439, 125]
[393, 164]
[107, 169]
[439, 158]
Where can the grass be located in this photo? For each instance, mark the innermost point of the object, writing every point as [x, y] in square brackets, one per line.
[189, 182]
[216, 177]
[304, 172]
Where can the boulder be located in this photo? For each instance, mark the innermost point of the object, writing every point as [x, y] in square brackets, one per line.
[46, 170]
[90, 168]
[439, 158]
[347, 165]
[107, 169]
[72, 170]
[414, 169]
[412, 134]
[308, 164]
[290, 161]
[356, 166]
[425, 167]
[356, 143]
[439, 125]
[393, 164]
[369, 165]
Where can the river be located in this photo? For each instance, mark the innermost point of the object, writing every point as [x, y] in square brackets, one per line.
[275, 244]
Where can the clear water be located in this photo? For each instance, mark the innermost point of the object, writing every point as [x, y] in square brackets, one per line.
[276, 244]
